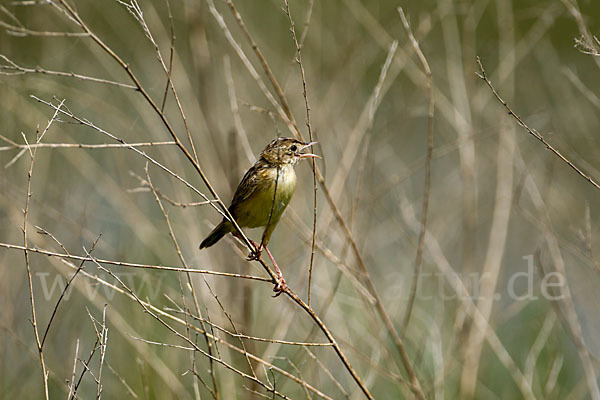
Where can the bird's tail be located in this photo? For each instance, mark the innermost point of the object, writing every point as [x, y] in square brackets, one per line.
[220, 230]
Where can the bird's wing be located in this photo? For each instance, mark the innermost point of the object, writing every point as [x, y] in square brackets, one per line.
[250, 184]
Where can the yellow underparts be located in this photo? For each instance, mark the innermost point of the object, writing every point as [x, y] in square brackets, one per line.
[265, 207]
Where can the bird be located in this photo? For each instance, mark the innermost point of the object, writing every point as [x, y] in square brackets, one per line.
[263, 195]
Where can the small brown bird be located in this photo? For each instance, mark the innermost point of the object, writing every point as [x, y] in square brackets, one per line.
[263, 194]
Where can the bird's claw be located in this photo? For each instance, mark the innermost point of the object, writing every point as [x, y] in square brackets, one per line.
[280, 286]
[256, 253]
[254, 256]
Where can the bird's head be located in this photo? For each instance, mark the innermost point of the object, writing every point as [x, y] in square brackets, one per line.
[286, 151]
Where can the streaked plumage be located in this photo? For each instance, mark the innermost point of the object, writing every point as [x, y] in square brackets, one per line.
[255, 203]
[263, 194]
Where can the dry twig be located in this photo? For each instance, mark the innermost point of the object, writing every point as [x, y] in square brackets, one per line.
[32, 153]
[428, 158]
[531, 131]
[310, 136]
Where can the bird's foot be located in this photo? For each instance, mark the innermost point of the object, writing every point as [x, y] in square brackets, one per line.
[256, 253]
[280, 286]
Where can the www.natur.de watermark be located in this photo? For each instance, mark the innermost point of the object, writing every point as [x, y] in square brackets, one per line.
[522, 284]
[52, 285]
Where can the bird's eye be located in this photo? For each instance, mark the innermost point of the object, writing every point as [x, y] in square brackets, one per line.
[293, 147]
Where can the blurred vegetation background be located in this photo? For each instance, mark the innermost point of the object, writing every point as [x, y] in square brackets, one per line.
[500, 204]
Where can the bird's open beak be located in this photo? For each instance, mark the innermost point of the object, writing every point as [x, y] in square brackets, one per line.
[308, 155]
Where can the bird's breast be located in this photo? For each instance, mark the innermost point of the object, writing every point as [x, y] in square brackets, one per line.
[283, 190]
[286, 180]
[270, 202]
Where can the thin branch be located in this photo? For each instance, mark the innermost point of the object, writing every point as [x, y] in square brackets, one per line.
[162, 312]
[81, 145]
[22, 31]
[531, 131]
[188, 340]
[263, 62]
[66, 288]
[290, 122]
[228, 316]
[327, 371]
[123, 382]
[26, 252]
[284, 112]
[425, 208]
[134, 8]
[190, 283]
[103, 342]
[132, 265]
[310, 139]
[174, 346]
[85, 363]
[588, 43]
[171, 53]
[91, 125]
[296, 223]
[72, 382]
[309, 13]
[146, 188]
[332, 340]
[73, 14]
[260, 339]
[192, 159]
[15, 69]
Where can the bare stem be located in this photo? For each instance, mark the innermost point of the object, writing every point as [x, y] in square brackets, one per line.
[531, 131]
[310, 137]
[430, 111]
[38, 342]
